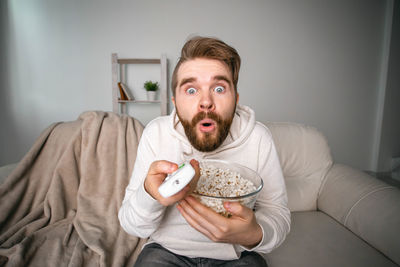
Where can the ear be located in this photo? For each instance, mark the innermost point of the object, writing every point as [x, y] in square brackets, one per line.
[237, 98]
[173, 100]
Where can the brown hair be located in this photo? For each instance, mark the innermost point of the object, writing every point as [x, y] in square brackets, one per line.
[210, 48]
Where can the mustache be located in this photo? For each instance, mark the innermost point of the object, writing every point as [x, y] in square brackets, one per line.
[206, 115]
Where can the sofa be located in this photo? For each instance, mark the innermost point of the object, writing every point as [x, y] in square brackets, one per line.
[341, 216]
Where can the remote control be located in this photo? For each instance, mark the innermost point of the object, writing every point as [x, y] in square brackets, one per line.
[177, 180]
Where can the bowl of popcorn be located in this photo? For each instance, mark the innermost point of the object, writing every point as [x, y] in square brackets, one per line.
[222, 181]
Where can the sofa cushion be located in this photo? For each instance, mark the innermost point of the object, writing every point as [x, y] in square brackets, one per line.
[367, 206]
[318, 240]
[305, 158]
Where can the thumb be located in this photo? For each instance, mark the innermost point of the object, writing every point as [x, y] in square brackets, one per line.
[238, 209]
[162, 167]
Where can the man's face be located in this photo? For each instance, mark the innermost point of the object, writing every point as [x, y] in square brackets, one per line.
[205, 101]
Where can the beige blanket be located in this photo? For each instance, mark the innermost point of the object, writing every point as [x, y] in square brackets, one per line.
[59, 206]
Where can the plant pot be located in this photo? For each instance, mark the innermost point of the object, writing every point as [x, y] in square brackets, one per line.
[151, 95]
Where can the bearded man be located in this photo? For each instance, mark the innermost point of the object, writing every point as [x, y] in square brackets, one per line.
[207, 123]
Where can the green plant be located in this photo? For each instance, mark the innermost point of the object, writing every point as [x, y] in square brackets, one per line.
[151, 86]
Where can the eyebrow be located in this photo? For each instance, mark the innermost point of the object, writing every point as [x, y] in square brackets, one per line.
[223, 78]
[187, 80]
[216, 78]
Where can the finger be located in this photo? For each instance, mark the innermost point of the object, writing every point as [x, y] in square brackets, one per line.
[196, 167]
[215, 223]
[237, 209]
[209, 214]
[199, 218]
[162, 167]
[156, 174]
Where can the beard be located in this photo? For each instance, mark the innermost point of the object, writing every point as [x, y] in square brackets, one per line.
[206, 142]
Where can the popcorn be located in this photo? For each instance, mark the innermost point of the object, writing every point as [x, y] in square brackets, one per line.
[217, 182]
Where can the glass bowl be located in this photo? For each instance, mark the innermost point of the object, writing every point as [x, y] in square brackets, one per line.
[231, 182]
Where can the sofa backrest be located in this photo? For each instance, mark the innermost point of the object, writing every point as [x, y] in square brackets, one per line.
[305, 158]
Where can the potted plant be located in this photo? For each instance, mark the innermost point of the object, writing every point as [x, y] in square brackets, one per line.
[151, 88]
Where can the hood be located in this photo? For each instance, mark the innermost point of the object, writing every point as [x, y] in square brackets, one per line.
[242, 125]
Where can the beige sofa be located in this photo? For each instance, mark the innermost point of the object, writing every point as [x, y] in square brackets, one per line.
[340, 216]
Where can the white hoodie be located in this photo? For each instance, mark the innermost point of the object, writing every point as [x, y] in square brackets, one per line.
[249, 143]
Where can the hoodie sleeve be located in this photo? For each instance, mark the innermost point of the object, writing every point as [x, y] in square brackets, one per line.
[140, 214]
[271, 208]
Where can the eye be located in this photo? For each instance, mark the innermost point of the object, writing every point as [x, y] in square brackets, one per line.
[191, 91]
[219, 89]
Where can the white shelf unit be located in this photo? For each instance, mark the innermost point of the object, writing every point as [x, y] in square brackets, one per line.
[119, 75]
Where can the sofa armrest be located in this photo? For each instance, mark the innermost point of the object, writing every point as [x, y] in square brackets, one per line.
[367, 206]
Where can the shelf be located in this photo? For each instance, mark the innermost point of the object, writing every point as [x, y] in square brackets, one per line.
[119, 75]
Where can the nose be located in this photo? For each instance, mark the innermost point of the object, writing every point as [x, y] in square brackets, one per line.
[206, 103]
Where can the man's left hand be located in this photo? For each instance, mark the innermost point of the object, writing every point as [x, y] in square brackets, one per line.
[241, 228]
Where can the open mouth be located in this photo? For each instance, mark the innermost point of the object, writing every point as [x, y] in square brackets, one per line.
[207, 125]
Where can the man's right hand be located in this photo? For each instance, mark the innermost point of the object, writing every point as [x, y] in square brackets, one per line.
[157, 173]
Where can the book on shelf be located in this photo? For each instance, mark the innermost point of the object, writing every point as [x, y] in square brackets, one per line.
[124, 92]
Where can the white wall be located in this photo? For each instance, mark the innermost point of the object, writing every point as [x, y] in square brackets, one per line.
[313, 62]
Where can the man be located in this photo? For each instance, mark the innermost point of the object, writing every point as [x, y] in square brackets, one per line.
[207, 123]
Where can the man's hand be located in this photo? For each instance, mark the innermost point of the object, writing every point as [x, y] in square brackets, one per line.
[242, 228]
[156, 175]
